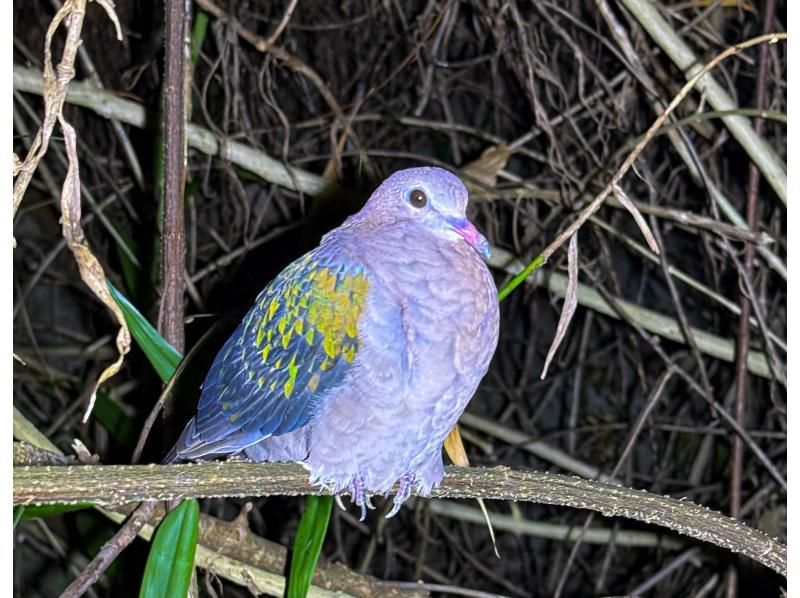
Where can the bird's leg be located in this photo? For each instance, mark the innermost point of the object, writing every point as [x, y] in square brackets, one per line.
[359, 497]
[403, 492]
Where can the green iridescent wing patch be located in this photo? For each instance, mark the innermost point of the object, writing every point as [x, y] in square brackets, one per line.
[297, 342]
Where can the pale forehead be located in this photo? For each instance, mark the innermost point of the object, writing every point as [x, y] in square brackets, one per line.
[436, 181]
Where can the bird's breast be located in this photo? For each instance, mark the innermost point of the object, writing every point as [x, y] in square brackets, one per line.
[426, 337]
[432, 321]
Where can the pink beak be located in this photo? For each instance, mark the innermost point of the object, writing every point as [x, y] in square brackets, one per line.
[471, 235]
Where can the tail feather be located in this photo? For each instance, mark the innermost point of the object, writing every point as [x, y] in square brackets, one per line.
[173, 456]
[191, 446]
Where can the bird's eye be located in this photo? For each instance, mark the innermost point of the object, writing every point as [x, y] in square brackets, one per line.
[417, 199]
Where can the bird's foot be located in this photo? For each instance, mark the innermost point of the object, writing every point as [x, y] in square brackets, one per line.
[403, 492]
[359, 496]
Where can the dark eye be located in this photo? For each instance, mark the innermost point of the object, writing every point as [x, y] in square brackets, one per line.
[417, 199]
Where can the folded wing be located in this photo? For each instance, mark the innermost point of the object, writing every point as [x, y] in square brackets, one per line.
[295, 345]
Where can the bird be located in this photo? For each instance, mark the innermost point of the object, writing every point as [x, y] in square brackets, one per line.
[360, 356]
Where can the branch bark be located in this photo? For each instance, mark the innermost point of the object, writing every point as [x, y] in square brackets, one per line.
[116, 484]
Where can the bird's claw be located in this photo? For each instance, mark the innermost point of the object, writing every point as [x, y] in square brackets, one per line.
[395, 510]
[403, 492]
[359, 497]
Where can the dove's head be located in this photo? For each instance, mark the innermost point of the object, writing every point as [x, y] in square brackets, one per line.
[432, 198]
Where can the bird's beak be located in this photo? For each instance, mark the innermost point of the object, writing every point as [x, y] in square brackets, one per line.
[471, 235]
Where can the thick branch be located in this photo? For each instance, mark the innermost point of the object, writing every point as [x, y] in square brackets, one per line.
[132, 483]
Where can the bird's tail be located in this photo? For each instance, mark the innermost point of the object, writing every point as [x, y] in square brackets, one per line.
[173, 456]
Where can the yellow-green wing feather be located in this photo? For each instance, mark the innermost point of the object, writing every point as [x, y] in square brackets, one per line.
[295, 344]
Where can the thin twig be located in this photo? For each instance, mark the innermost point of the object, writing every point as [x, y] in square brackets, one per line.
[648, 319]
[268, 46]
[681, 54]
[110, 550]
[287, 15]
[743, 335]
[628, 162]
[718, 408]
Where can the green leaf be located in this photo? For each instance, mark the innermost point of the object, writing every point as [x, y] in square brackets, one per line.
[42, 511]
[198, 34]
[308, 544]
[163, 356]
[171, 561]
[18, 512]
[113, 418]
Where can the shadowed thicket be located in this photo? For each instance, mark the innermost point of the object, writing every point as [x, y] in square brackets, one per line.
[658, 381]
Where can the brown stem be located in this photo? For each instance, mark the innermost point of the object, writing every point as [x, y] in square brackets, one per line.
[743, 337]
[234, 540]
[173, 251]
[109, 551]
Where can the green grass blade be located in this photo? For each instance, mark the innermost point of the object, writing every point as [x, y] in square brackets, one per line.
[171, 561]
[163, 356]
[308, 544]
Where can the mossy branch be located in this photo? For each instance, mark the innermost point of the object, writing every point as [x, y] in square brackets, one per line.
[116, 484]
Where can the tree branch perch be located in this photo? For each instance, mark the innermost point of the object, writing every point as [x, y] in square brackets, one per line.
[116, 484]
